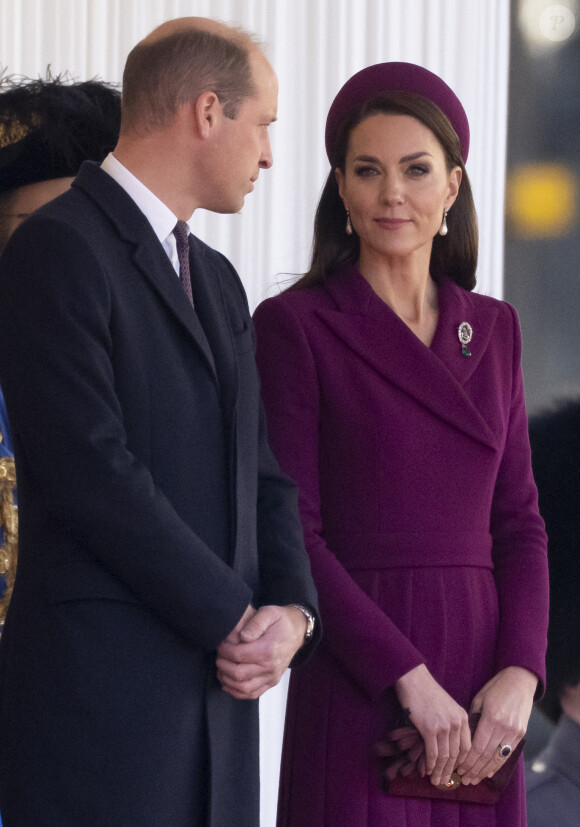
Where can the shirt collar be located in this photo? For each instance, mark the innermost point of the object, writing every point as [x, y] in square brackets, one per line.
[161, 218]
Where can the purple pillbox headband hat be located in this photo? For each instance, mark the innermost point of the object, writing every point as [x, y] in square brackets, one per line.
[397, 77]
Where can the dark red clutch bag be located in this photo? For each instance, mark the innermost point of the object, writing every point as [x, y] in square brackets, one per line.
[404, 759]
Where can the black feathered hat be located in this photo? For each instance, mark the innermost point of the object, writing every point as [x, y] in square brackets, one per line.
[49, 127]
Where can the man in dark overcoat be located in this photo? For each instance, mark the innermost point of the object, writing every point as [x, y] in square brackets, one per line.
[48, 127]
[162, 582]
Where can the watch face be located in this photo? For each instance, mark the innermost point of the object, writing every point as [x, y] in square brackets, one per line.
[310, 619]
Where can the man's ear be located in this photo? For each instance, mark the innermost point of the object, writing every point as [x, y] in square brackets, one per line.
[206, 112]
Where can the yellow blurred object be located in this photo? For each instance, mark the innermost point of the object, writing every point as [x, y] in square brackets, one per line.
[542, 200]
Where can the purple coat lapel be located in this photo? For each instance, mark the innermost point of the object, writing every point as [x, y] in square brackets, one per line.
[435, 377]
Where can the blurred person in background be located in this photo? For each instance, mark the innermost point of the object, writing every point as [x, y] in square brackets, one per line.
[48, 127]
[553, 776]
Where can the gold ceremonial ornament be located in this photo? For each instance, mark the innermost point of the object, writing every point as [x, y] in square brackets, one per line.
[12, 131]
[9, 529]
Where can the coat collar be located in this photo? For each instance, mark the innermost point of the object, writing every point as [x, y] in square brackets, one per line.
[148, 255]
[436, 376]
[212, 310]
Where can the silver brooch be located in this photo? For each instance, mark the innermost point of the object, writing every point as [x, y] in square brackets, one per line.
[465, 335]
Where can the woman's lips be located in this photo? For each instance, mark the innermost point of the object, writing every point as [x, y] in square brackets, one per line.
[392, 223]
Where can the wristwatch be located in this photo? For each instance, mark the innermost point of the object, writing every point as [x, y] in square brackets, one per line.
[310, 621]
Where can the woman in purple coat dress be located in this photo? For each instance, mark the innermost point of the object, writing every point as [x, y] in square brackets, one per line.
[394, 398]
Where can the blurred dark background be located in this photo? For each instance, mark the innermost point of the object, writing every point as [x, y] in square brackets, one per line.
[542, 244]
[542, 280]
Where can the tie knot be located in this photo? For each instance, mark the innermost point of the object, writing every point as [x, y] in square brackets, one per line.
[181, 232]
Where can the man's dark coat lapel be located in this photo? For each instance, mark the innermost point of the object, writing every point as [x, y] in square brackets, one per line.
[148, 255]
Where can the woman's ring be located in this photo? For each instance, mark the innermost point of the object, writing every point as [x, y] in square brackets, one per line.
[505, 750]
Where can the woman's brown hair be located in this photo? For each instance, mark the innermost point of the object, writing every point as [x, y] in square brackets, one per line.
[453, 255]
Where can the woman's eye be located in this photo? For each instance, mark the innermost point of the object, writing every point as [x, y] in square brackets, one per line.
[418, 170]
[365, 172]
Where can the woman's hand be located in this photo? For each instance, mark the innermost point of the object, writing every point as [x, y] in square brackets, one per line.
[441, 722]
[505, 704]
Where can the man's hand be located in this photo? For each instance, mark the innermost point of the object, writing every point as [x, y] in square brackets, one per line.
[255, 655]
[234, 635]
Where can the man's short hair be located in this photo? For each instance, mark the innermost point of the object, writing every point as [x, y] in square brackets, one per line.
[161, 75]
[49, 127]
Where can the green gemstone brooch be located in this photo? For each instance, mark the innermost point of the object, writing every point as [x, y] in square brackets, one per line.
[465, 334]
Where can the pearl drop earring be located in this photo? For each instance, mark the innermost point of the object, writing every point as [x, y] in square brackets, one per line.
[348, 228]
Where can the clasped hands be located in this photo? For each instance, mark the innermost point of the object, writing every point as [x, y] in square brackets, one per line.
[257, 652]
[505, 704]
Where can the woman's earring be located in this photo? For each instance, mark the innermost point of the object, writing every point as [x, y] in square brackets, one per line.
[443, 228]
[348, 228]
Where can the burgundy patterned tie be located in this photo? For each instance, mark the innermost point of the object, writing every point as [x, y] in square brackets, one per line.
[181, 233]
